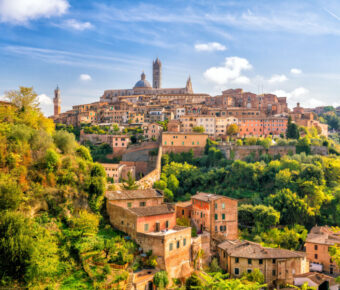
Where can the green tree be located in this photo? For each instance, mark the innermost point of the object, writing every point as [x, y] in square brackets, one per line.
[173, 183]
[130, 183]
[85, 222]
[65, 141]
[84, 153]
[52, 160]
[214, 266]
[233, 130]
[292, 130]
[161, 279]
[10, 193]
[198, 129]
[254, 276]
[24, 98]
[168, 195]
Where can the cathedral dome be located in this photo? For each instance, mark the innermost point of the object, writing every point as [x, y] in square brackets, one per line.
[142, 83]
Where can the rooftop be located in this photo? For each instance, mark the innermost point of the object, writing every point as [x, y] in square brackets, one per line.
[251, 250]
[318, 278]
[184, 203]
[323, 235]
[133, 194]
[204, 196]
[153, 210]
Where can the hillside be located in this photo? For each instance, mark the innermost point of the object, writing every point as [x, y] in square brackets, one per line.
[52, 232]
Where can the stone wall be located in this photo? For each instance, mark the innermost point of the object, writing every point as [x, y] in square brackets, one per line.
[198, 151]
[319, 150]
[241, 152]
[148, 180]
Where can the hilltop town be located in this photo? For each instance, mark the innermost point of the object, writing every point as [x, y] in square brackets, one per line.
[141, 135]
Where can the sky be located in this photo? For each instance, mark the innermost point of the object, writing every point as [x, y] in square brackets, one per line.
[290, 48]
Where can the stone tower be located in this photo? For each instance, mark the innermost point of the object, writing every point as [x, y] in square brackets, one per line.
[157, 74]
[57, 101]
[188, 87]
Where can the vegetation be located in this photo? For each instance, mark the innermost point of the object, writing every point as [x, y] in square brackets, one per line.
[161, 279]
[198, 129]
[292, 192]
[51, 199]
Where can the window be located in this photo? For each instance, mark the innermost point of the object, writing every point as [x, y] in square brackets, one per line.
[216, 216]
[274, 261]
[215, 205]
[249, 271]
[166, 224]
[201, 214]
[122, 222]
[178, 244]
[170, 247]
[223, 205]
[221, 228]
[182, 211]
[315, 247]
[237, 271]
[146, 227]
[249, 261]
[273, 272]
[164, 142]
[223, 216]
[237, 260]
[215, 228]
[315, 256]
[142, 203]
[260, 261]
[184, 242]
[129, 204]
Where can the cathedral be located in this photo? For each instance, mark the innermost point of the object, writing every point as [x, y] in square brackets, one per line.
[143, 87]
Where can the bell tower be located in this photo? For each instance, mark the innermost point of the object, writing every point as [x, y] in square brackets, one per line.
[188, 86]
[157, 74]
[57, 101]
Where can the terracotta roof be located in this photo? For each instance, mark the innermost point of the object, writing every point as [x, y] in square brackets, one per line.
[323, 235]
[153, 210]
[184, 203]
[133, 194]
[251, 250]
[204, 196]
[318, 278]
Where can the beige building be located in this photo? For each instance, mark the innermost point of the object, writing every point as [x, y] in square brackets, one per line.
[118, 171]
[277, 265]
[152, 130]
[182, 142]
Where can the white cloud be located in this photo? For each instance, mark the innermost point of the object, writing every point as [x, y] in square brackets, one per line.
[277, 79]
[44, 100]
[230, 72]
[211, 46]
[300, 95]
[77, 25]
[295, 71]
[85, 77]
[22, 11]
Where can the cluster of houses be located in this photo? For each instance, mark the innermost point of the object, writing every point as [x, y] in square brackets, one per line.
[145, 104]
[144, 216]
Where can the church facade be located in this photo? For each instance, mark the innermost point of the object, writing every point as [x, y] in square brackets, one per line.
[143, 87]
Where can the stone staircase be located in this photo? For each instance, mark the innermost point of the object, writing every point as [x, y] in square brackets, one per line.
[129, 285]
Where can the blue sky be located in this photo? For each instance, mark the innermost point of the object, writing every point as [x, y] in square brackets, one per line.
[291, 48]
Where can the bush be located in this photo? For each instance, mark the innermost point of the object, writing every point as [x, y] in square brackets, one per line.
[65, 141]
[161, 279]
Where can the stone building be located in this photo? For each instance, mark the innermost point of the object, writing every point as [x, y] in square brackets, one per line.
[152, 130]
[277, 265]
[134, 198]
[215, 214]
[118, 171]
[317, 245]
[183, 142]
[152, 224]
